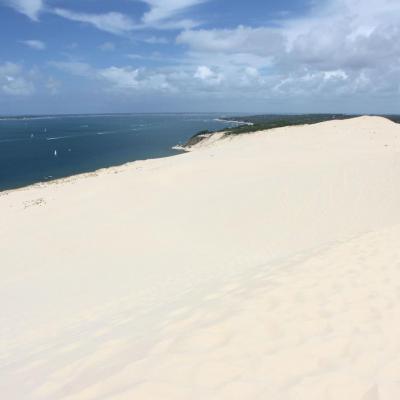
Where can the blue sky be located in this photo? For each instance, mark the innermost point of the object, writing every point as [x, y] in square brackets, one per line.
[70, 56]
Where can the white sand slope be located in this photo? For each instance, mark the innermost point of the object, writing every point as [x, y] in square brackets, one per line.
[265, 266]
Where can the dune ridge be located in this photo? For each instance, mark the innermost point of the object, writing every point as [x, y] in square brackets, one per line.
[265, 265]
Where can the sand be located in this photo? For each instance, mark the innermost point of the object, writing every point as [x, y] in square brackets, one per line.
[263, 266]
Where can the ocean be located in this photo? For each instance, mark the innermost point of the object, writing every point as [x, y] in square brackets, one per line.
[42, 148]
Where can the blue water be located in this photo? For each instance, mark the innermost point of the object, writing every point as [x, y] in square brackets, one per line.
[37, 149]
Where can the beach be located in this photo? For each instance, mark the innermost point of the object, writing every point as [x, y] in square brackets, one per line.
[258, 266]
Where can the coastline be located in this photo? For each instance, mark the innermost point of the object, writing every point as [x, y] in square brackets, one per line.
[114, 169]
[264, 265]
[61, 146]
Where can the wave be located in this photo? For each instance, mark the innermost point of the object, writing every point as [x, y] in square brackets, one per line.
[233, 121]
[106, 132]
[26, 118]
[61, 137]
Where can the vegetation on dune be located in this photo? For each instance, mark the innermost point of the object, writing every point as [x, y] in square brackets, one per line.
[265, 122]
[256, 123]
[198, 137]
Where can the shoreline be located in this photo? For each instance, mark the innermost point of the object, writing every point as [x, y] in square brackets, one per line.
[113, 169]
[41, 150]
[182, 148]
[92, 173]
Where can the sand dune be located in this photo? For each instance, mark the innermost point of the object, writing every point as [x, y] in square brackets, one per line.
[264, 266]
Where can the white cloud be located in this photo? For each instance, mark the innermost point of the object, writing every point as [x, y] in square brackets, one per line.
[163, 14]
[206, 83]
[18, 87]
[161, 10]
[259, 41]
[341, 47]
[132, 80]
[155, 40]
[112, 22]
[14, 81]
[122, 78]
[208, 76]
[203, 73]
[338, 74]
[30, 8]
[34, 44]
[121, 24]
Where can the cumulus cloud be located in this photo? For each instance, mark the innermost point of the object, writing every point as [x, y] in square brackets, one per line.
[208, 76]
[123, 78]
[346, 34]
[342, 46]
[182, 80]
[34, 44]
[14, 81]
[128, 80]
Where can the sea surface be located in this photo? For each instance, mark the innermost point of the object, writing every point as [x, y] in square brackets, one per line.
[42, 148]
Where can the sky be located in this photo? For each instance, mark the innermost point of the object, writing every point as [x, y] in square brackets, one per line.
[253, 56]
